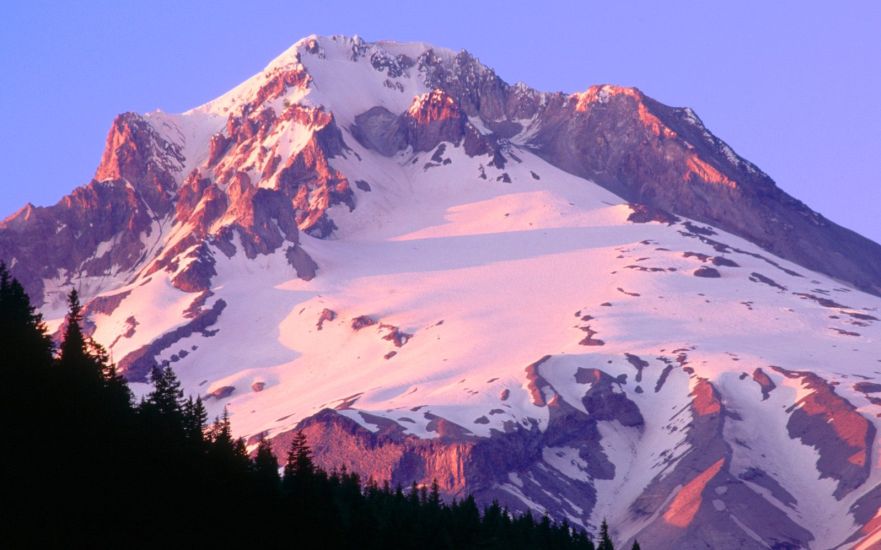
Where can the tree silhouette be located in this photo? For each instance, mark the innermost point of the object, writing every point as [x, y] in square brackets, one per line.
[605, 540]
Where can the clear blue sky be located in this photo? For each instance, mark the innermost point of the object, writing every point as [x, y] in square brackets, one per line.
[793, 86]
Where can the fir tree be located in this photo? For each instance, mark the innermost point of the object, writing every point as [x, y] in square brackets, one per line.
[220, 434]
[266, 466]
[166, 399]
[23, 337]
[195, 418]
[605, 540]
[73, 348]
[635, 545]
[299, 463]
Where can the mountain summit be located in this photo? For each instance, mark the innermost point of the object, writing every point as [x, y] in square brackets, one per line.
[584, 304]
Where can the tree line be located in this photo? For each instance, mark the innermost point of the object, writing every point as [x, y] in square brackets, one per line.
[85, 465]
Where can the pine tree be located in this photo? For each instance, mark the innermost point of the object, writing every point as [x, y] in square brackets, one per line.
[194, 420]
[635, 545]
[266, 466]
[221, 431]
[73, 348]
[23, 337]
[299, 463]
[605, 540]
[166, 399]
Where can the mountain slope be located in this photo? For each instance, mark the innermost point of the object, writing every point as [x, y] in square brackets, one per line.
[439, 276]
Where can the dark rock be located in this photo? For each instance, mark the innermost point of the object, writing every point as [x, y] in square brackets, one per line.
[381, 130]
[395, 335]
[644, 214]
[589, 339]
[302, 263]
[638, 363]
[759, 278]
[362, 321]
[867, 387]
[707, 272]
[222, 392]
[721, 261]
[764, 381]
[326, 315]
[136, 365]
[603, 403]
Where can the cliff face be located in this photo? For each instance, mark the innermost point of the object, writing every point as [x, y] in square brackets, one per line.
[664, 157]
[583, 304]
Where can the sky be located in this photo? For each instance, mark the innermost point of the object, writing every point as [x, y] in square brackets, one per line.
[792, 86]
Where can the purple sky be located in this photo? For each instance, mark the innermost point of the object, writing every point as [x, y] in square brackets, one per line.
[793, 86]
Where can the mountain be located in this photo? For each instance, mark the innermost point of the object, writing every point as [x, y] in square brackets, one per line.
[581, 304]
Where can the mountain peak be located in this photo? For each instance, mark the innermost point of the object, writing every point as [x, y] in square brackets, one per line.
[580, 304]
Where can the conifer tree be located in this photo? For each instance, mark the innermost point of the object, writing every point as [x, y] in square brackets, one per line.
[23, 337]
[635, 545]
[266, 466]
[166, 399]
[299, 463]
[73, 348]
[221, 431]
[195, 418]
[605, 540]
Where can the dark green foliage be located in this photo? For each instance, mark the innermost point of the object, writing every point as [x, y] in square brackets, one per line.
[86, 467]
[635, 545]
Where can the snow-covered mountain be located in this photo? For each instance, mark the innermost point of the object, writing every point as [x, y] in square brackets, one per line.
[581, 304]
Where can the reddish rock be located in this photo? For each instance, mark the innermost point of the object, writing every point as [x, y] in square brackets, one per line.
[222, 392]
[535, 382]
[326, 315]
[764, 381]
[831, 424]
[217, 148]
[395, 335]
[362, 321]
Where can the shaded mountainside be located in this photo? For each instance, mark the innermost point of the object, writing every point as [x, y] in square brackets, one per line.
[581, 304]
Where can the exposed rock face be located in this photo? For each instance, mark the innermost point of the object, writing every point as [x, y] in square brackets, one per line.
[432, 118]
[665, 158]
[381, 130]
[701, 485]
[463, 463]
[135, 152]
[100, 228]
[842, 436]
[680, 509]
